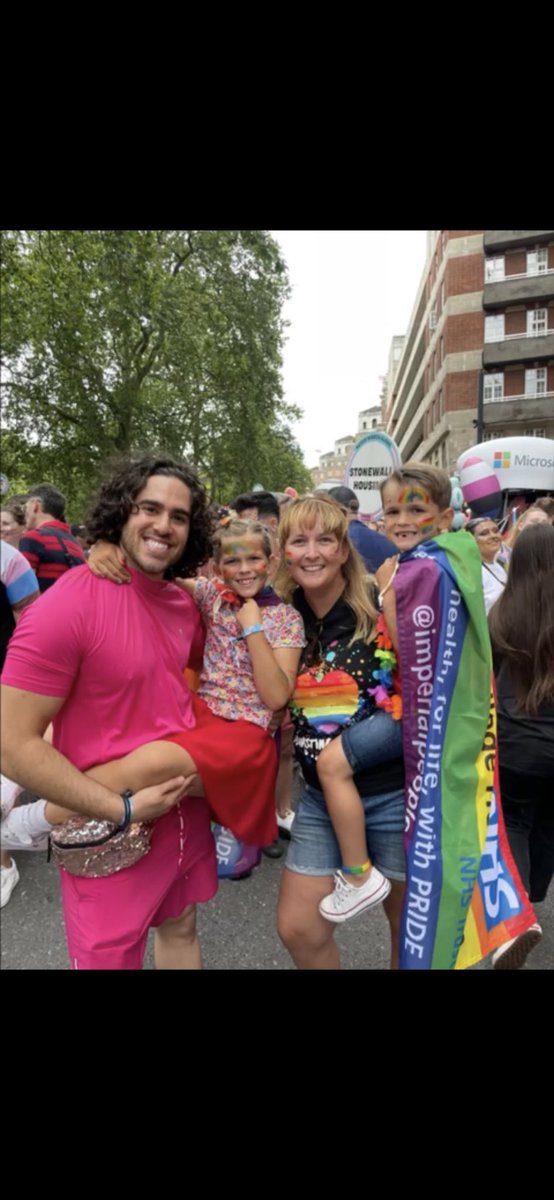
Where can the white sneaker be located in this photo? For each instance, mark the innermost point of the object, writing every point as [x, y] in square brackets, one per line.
[347, 901]
[285, 822]
[9, 792]
[511, 955]
[14, 834]
[10, 879]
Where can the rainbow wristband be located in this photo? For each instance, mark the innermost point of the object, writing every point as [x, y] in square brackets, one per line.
[252, 629]
[356, 870]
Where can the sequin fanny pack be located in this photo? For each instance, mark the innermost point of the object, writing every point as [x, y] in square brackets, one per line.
[91, 848]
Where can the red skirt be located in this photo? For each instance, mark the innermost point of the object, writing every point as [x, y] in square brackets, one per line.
[237, 763]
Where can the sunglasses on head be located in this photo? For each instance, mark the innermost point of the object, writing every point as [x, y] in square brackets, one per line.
[312, 653]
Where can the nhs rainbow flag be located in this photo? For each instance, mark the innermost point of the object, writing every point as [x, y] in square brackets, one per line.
[464, 896]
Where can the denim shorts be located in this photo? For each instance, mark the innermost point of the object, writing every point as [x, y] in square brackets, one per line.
[378, 739]
[314, 849]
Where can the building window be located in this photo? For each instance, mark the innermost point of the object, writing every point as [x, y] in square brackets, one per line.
[441, 351]
[535, 381]
[490, 435]
[441, 404]
[494, 327]
[535, 432]
[536, 321]
[494, 388]
[443, 455]
[537, 261]
[494, 269]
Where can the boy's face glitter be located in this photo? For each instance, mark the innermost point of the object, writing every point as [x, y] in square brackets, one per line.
[411, 516]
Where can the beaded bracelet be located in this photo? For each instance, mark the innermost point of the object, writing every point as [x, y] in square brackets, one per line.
[127, 817]
[252, 629]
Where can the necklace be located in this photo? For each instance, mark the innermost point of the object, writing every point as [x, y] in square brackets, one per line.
[494, 575]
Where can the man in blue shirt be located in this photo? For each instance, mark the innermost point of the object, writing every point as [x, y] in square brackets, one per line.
[373, 547]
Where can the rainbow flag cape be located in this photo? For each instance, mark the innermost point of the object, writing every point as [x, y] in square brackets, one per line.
[464, 896]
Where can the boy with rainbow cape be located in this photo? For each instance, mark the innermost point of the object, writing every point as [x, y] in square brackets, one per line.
[464, 896]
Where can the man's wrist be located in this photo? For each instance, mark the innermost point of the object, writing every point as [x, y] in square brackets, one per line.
[127, 817]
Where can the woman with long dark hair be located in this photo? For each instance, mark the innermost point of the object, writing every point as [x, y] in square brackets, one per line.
[522, 632]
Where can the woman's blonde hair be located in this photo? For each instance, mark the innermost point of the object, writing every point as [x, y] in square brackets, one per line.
[305, 513]
[518, 527]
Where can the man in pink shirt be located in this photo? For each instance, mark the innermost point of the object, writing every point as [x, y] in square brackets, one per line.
[104, 664]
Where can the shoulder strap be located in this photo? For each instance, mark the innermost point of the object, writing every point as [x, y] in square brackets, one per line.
[71, 559]
[502, 582]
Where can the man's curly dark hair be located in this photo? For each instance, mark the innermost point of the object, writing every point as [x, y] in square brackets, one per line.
[113, 505]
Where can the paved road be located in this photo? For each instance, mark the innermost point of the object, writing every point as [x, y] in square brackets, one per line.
[237, 928]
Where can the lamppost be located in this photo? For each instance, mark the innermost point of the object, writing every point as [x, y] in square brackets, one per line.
[479, 424]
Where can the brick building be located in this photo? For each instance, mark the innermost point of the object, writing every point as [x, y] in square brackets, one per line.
[477, 361]
[518, 352]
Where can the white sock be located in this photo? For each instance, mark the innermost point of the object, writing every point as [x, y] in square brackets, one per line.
[30, 818]
[9, 792]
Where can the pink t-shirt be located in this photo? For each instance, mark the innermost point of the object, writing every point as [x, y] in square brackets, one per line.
[117, 653]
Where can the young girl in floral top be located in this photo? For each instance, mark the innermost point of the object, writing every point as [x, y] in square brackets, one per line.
[251, 655]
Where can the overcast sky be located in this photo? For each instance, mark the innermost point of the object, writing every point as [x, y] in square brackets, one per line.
[352, 291]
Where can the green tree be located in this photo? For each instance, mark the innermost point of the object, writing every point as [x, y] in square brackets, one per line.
[121, 339]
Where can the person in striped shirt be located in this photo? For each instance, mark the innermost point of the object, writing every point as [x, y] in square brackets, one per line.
[48, 544]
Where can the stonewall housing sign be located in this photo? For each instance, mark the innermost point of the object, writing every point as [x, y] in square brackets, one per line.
[371, 462]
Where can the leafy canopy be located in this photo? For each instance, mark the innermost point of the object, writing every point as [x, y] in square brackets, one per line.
[124, 339]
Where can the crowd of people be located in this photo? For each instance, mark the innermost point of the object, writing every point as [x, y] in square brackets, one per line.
[283, 611]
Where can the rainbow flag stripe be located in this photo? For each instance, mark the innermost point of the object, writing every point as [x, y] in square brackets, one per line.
[329, 701]
[464, 896]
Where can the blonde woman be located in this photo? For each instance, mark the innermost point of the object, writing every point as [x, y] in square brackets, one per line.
[322, 575]
[534, 515]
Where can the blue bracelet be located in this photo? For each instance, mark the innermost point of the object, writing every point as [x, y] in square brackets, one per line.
[127, 798]
[252, 629]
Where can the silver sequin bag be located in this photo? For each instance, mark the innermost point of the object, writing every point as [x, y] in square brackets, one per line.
[91, 848]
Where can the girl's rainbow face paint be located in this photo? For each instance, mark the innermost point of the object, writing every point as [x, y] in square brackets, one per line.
[244, 566]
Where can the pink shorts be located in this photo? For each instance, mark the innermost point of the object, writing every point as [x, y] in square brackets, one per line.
[107, 920]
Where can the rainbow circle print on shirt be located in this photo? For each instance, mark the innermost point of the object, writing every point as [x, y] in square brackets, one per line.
[326, 701]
